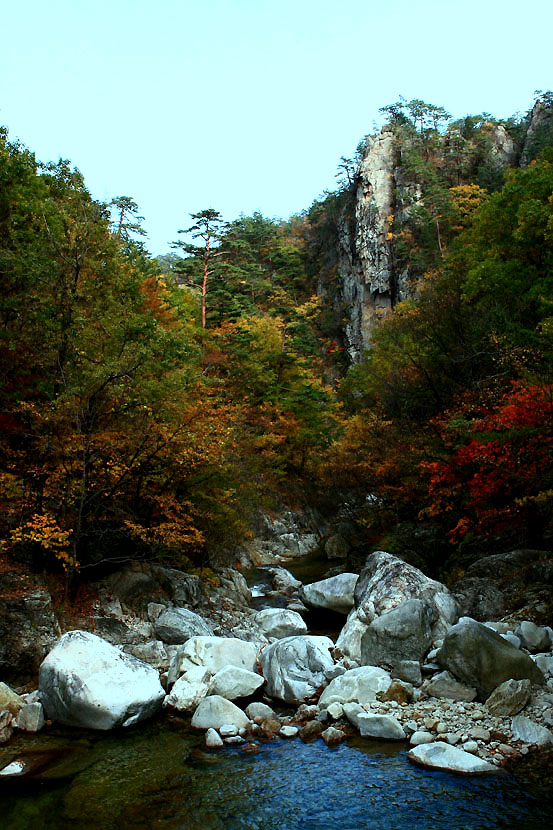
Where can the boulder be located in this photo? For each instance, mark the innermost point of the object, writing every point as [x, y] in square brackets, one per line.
[349, 639]
[259, 710]
[404, 633]
[85, 681]
[213, 653]
[509, 698]
[216, 711]
[534, 638]
[356, 685]
[294, 667]
[280, 622]
[445, 685]
[381, 727]
[153, 652]
[440, 755]
[544, 662]
[387, 581]
[530, 732]
[189, 689]
[332, 736]
[177, 625]
[332, 594]
[481, 658]
[232, 682]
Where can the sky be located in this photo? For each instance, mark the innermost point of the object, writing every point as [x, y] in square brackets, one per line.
[248, 105]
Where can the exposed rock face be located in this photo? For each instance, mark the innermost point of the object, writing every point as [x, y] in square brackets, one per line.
[28, 630]
[332, 594]
[480, 657]
[85, 681]
[540, 127]
[505, 582]
[294, 667]
[369, 284]
[284, 536]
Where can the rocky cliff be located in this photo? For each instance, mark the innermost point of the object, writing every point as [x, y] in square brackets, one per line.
[372, 277]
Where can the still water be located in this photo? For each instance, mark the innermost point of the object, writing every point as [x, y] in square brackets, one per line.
[158, 776]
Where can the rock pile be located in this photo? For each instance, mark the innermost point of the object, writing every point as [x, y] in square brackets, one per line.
[464, 695]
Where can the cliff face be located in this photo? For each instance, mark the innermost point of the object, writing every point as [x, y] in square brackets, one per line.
[369, 283]
[371, 276]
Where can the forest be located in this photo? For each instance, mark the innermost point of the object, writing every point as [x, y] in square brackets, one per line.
[150, 405]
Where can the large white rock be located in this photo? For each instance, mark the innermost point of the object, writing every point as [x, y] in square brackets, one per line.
[356, 685]
[216, 711]
[213, 653]
[189, 689]
[439, 755]
[232, 682]
[294, 667]
[280, 622]
[85, 681]
[333, 594]
[351, 635]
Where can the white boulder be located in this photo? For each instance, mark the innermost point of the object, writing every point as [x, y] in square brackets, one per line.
[232, 682]
[280, 622]
[440, 755]
[295, 667]
[216, 711]
[85, 681]
[358, 685]
[333, 594]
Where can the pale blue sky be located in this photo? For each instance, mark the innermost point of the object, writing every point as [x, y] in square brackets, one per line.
[245, 105]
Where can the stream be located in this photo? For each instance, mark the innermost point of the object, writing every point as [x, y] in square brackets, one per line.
[159, 776]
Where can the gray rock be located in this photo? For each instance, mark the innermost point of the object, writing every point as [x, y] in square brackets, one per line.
[349, 639]
[335, 710]
[31, 717]
[259, 710]
[294, 667]
[404, 633]
[509, 697]
[356, 685]
[421, 737]
[383, 727]
[440, 755]
[177, 625]
[288, 731]
[216, 711]
[545, 663]
[512, 639]
[530, 732]
[85, 681]
[152, 652]
[280, 622]
[408, 670]
[213, 653]
[479, 657]
[333, 594]
[445, 685]
[232, 682]
[533, 637]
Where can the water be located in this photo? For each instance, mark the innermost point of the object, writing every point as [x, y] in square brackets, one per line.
[158, 776]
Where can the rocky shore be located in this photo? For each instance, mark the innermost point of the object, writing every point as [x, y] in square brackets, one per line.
[409, 664]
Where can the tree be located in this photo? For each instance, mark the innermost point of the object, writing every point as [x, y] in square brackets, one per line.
[199, 265]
